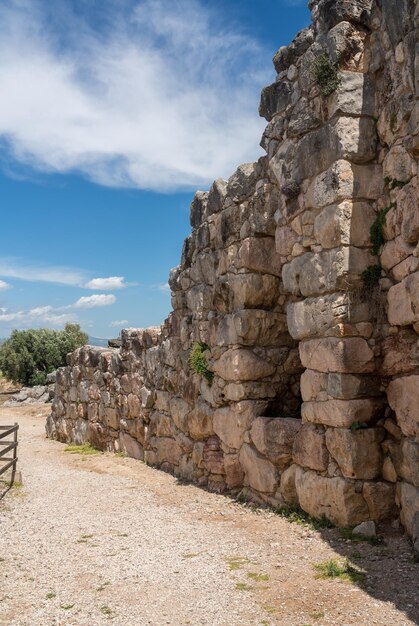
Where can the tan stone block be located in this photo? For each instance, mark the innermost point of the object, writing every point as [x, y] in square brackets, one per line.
[403, 397]
[314, 316]
[274, 438]
[336, 498]
[348, 386]
[246, 291]
[381, 500]
[252, 327]
[242, 365]
[389, 472]
[409, 502]
[179, 410]
[285, 238]
[403, 301]
[200, 421]
[259, 255]
[350, 355]
[231, 422]
[341, 413]
[260, 473]
[408, 201]
[214, 456]
[394, 252]
[167, 450]
[358, 453]
[309, 448]
[401, 354]
[131, 446]
[313, 385]
[287, 485]
[234, 471]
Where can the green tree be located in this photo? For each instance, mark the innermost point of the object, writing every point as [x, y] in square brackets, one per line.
[29, 355]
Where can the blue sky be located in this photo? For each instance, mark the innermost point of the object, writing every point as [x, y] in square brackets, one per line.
[112, 113]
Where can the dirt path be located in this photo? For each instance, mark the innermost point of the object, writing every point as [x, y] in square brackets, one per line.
[108, 540]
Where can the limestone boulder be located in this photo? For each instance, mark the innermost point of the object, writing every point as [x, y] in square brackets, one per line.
[214, 456]
[252, 327]
[287, 485]
[408, 496]
[246, 291]
[179, 410]
[314, 316]
[401, 354]
[313, 385]
[241, 365]
[350, 355]
[274, 99]
[260, 474]
[130, 446]
[394, 252]
[200, 419]
[335, 498]
[408, 199]
[234, 474]
[231, 422]
[355, 95]
[274, 438]
[403, 397]
[342, 413]
[167, 450]
[403, 301]
[258, 254]
[309, 449]
[380, 498]
[358, 453]
[348, 386]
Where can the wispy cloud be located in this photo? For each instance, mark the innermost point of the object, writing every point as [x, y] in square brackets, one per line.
[53, 316]
[4, 285]
[118, 323]
[92, 302]
[16, 268]
[105, 284]
[165, 98]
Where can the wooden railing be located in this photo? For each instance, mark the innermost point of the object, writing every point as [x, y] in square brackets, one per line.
[7, 462]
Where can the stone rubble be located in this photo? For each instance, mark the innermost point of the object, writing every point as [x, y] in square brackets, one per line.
[270, 283]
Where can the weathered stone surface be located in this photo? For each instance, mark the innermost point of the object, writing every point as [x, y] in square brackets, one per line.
[365, 529]
[168, 450]
[259, 255]
[331, 12]
[274, 438]
[309, 448]
[247, 291]
[409, 515]
[314, 316]
[131, 446]
[260, 473]
[313, 385]
[248, 327]
[242, 364]
[341, 413]
[231, 422]
[403, 397]
[233, 470]
[346, 223]
[214, 456]
[350, 355]
[404, 455]
[408, 200]
[335, 498]
[274, 99]
[326, 271]
[355, 95]
[401, 354]
[394, 252]
[179, 410]
[287, 485]
[358, 453]
[380, 498]
[285, 238]
[403, 301]
[347, 386]
[200, 421]
[287, 55]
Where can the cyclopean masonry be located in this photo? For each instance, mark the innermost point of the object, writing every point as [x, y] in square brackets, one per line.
[300, 282]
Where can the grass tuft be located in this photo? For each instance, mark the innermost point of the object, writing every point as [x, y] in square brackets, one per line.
[258, 578]
[83, 448]
[296, 515]
[326, 74]
[342, 570]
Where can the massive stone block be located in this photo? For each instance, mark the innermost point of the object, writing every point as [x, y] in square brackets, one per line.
[350, 355]
[403, 301]
[314, 316]
[358, 453]
[231, 422]
[335, 498]
[309, 449]
[260, 473]
[274, 438]
[242, 364]
[403, 397]
[342, 413]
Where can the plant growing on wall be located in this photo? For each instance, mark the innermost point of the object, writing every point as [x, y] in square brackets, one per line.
[198, 361]
[376, 230]
[326, 74]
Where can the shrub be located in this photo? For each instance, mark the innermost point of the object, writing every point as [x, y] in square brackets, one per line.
[376, 230]
[198, 362]
[371, 276]
[29, 355]
[326, 74]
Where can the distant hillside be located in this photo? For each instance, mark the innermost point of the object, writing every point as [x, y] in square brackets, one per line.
[97, 341]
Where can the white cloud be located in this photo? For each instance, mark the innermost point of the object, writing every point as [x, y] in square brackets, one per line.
[104, 284]
[15, 268]
[91, 302]
[118, 323]
[37, 316]
[4, 285]
[165, 98]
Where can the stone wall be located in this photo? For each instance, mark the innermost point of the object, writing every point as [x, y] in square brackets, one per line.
[309, 323]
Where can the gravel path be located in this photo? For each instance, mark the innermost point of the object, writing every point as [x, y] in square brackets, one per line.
[107, 540]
